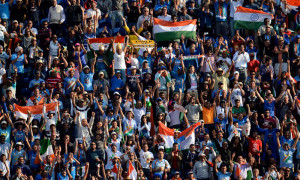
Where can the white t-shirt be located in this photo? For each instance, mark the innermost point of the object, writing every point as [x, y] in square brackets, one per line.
[236, 94]
[117, 142]
[110, 156]
[49, 123]
[2, 31]
[135, 62]
[91, 13]
[144, 156]
[3, 167]
[4, 148]
[119, 60]
[166, 18]
[138, 113]
[34, 30]
[224, 66]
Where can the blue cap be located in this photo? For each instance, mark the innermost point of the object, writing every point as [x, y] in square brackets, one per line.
[157, 175]
[163, 67]
[118, 71]
[147, 1]
[40, 50]
[158, 99]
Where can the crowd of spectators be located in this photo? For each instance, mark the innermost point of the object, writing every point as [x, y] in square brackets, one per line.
[244, 89]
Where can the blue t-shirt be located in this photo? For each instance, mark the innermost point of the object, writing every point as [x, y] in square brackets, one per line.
[100, 65]
[179, 80]
[73, 168]
[116, 83]
[4, 11]
[32, 157]
[222, 176]
[286, 158]
[19, 135]
[35, 82]
[82, 58]
[223, 123]
[241, 122]
[6, 133]
[69, 84]
[221, 11]
[61, 177]
[87, 80]
[270, 107]
[19, 63]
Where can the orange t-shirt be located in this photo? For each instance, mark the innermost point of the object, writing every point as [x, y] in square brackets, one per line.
[208, 115]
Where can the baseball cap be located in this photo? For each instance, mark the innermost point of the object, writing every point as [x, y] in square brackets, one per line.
[133, 67]
[161, 148]
[117, 93]
[35, 126]
[236, 72]
[77, 44]
[219, 69]
[101, 73]
[118, 71]
[86, 67]
[3, 122]
[19, 143]
[84, 93]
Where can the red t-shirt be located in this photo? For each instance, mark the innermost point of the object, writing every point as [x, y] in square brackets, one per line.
[254, 145]
[253, 65]
[267, 121]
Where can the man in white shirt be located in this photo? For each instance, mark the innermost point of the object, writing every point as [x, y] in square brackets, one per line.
[165, 16]
[201, 168]
[56, 16]
[240, 59]
[4, 164]
[145, 158]
[93, 12]
[33, 31]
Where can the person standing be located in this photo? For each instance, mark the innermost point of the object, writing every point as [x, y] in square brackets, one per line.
[240, 59]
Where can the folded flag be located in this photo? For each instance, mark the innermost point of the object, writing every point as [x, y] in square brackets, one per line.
[245, 18]
[22, 111]
[168, 31]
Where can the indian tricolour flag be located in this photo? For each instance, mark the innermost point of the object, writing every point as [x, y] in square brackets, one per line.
[187, 136]
[22, 111]
[293, 4]
[168, 31]
[245, 18]
[96, 42]
[46, 149]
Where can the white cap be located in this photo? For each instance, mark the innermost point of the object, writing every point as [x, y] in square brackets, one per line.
[236, 72]
[161, 147]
